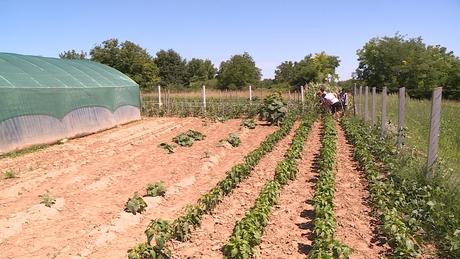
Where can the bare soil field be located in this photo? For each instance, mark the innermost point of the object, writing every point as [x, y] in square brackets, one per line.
[92, 177]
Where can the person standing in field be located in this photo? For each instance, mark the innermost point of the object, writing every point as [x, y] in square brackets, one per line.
[344, 100]
[334, 103]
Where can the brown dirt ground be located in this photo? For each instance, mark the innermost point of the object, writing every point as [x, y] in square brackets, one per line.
[92, 177]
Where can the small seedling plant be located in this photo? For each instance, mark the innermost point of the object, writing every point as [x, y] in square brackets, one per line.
[47, 200]
[10, 174]
[135, 204]
[169, 148]
[156, 189]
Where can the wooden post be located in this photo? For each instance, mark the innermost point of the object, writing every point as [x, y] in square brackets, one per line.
[435, 121]
[384, 110]
[250, 95]
[355, 112]
[301, 94]
[366, 96]
[401, 102]
[373, 105]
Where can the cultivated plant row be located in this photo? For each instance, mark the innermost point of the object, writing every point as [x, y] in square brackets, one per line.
[163, 231]
[325, 245]
[382, 193]
[248, 231]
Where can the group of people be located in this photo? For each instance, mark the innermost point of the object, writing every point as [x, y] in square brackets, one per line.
[333, 102]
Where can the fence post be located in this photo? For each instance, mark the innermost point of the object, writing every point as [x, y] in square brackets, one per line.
[203, 93]
[301, 94]
[402, 102]
[384, 110]
[250, 95]
[355, 112]
[435, 120]
[159, 96]
[373, 105]
[366, 96]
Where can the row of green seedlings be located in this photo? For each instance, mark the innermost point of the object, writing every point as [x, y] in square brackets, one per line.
[163, 231]
[248, 231]
[381, 190]
[325, 244]
[187, 138]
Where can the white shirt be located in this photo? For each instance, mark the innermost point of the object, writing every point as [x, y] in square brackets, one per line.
[330, 98]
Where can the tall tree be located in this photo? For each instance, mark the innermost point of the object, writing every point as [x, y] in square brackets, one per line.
[72, 54]
[130, 59]
[285, 72]
[325, 66]
[396, 62]
[199, 71]
[238, 72]
[172, 68]
[309, 69]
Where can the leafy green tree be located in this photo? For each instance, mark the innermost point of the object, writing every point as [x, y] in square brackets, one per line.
[238, 72]
[305, 71]
[325, 66]
[319, 68]
[199, 72]
[72, 54]
[285, 72]
[396, 62]
[130, 59]
[172, 68]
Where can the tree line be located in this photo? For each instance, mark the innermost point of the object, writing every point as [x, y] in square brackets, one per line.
[397, 62]
[171, 71]
[383, 61]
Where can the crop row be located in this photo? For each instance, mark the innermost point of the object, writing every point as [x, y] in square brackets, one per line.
[325, 244]
[381, 190]
[248, 231]
[163, 231]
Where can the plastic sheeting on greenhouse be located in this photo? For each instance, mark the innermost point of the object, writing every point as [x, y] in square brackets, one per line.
[43, 100]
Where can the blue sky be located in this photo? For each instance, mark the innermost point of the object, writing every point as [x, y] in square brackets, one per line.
[270, 31]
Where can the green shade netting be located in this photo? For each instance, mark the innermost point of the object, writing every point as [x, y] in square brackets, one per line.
[33, 85]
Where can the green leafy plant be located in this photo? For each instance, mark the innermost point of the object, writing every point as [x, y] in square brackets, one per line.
[160, 231]
[220, 118]
[238, 248]
[249, 123]
[206, 154]
[156, 189]
[187, 138]
[9, 174]
[234, 139]
[135, 204]
[47, 200]
[142, 251]
[169, 148]
[273, 109]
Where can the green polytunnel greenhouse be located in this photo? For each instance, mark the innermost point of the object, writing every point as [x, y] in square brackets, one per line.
[43, 100]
